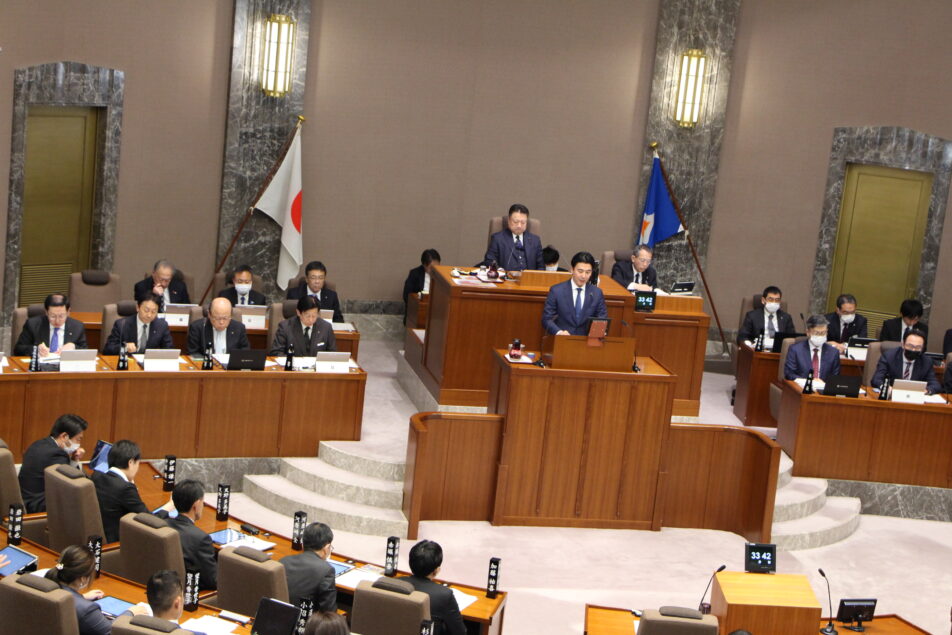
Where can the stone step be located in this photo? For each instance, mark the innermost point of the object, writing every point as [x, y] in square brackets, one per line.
[283, 496]
[350, 456]
[319, 476]
[799, 498]
[785, 471]
[835, 521]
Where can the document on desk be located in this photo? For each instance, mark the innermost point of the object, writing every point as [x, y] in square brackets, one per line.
[210, 625]
[343, 326]
[855, 352]
[353, 577]
[463, 599]
[472, 282]
[221, 358]
[935, 399]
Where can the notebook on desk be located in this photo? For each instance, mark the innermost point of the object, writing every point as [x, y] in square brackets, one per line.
[275, 617]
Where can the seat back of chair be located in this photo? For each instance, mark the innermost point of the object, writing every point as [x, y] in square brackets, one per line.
[669, 621]
[9, 485]
[31, 604]
[784, 349]
[873, 353]
[91, 289]
[72, 509]
[145, 625]
[148, 545]
[388, 607]
[498, 223]
[246, 575]
[223, 280]
[111, 313]
[294, 283]
[20, 316]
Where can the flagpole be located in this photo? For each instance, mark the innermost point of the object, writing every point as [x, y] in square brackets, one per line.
[697, 261]
[251, 209]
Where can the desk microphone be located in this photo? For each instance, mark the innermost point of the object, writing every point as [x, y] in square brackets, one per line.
[802, 319]
[700, 605]
[829, 629]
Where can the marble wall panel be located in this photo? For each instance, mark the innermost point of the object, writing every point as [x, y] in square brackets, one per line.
[900, 501]
[211, 472]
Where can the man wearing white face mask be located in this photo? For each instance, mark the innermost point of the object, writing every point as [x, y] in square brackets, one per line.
[845, 322]
[62, 447]
[813, 354]
[768, 320]
[241, 293]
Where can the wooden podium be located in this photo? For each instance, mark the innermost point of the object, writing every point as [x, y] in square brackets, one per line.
[613, 354]
[765, 604]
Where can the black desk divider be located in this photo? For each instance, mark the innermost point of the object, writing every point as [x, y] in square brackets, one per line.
[224, 498]
[307, 608]
[191, 590]
[95, 545]
[15, 524]
[297, 531]
[169, 483]
[393, 553]
[493, 584]
[426, 627]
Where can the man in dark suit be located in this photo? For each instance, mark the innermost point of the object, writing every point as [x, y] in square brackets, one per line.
[197, 548]
[426, 557]
[308, 333]
[224, 333]
[53, 332]
[812, 354]
[240, 292]
[315, 273]
[845, 322]
[62, 447]
[907, 362]
[571, 304]
[116, 490]
[418, 280]
[515, 248]
[163, 283]
[550, 259]
[309, 575]
[138, 332]
[640, 275]
[910, 318]
[767, 319]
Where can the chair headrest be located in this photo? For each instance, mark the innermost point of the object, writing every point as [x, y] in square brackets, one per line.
[289, 308]
[96, 277]
[35, 309]
[153, 623]
[38, 583]
[622, 255]
[680, 611]
[69, 471]
[150, 520]
[396, 586]
[126, 307]
[252, 554]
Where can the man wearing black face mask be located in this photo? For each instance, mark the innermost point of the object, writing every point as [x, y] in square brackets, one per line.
[907, 362]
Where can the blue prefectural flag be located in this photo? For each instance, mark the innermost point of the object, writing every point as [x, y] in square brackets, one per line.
[660, 220]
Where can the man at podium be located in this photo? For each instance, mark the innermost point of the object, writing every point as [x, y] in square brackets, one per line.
[571, 304]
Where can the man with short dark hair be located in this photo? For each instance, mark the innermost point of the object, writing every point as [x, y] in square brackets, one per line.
[188, 497]
[813, 354]
[426, 558]
[315, 274]
[640, 274]
[572, 304]
[910, 318]
[845, 322]
[515, 248]
[62, 447]
[141, 331]
[907, 362]
[164, 284]
[239, 292]
[116, 490]
[309, 575]
[308, 333]
[768, 320]
[550, 259]
[52, 332]
[224, 333]
[418, 279]
[165, 593]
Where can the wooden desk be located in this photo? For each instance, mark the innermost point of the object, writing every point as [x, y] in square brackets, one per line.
[347, 341]
[467, 322]
[603, 620]
[866, 439]
[418, 308]
[580, 448]
[268, 413]
[675, 335]
[764, 604]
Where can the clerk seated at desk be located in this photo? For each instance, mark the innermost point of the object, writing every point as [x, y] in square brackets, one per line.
[308, 333]
[550, 258]
[418, 280]
[241, 293]
[224, 333]
[62, 447]
[515, 248]
[845, 322]
[570, 305]
[315, 273]
[813, 353]
[767, 320]
[115, 489]
[309, 575]
[640, 275]
[910, 317]
[163, 283]
[141, 331]
[426, 557]
[53, 332]
[188, 497]
[907, 362]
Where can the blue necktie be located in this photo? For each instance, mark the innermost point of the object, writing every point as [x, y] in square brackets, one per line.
[54, 341]
[578, 304]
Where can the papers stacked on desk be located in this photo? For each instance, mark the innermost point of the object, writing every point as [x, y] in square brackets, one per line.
[233, 538]
[343, 326]
[353, 577]
[210, 625]
[855, 352]
[463, 599]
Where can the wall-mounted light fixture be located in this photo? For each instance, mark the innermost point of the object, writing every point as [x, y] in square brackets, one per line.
[687, 109]
[277, 55]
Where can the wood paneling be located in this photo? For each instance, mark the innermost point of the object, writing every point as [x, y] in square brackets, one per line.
[314, 411]
[49, 395]
[159, 413]
[242, 404]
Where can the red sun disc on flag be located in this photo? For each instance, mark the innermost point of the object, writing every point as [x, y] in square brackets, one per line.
[296, 212]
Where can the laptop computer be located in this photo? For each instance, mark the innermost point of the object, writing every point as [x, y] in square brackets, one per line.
[780, 337]
[861, 342]
[683, 288]
[333, 356]
[908, 391]
[842, 386]
[275, 617]
[19, 559]
[246, 360]
[100, 458]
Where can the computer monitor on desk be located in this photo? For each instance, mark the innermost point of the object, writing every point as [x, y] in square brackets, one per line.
[573, 352]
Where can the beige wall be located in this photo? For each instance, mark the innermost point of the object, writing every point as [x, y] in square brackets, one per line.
[426, 117]
[176, 58]
[803, 68]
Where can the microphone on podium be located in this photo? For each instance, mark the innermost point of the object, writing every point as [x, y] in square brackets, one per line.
[700, 605]
[829, 629]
